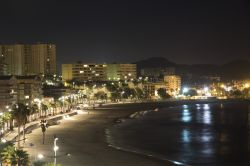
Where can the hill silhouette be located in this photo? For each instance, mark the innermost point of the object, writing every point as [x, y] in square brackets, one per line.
[234, 70]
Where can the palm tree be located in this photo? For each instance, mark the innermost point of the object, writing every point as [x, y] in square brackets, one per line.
[69, 102]
[26, 114]
[6, 155]
[10, 156]
[53, 106]
[44, 108]
[58, 105]
[7, 118]
[34, 110]
[20, 158]
[19, 114]
[1, 122]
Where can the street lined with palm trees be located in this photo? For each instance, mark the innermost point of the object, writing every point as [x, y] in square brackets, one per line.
[15, 123]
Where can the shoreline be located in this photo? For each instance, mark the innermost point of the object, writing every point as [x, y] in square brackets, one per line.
[83, 136]
[140, 114]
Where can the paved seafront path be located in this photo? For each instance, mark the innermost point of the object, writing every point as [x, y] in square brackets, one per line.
[83, 136]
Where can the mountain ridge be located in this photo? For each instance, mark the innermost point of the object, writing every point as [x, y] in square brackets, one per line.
[233, 70]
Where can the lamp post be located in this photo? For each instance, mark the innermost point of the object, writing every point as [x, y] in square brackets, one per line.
[55, 150]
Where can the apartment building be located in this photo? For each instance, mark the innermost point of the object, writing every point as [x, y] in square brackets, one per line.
[84, 72]
[173, 83]
[28, 59]
[121, 71]
[23, 89]
[98, 72]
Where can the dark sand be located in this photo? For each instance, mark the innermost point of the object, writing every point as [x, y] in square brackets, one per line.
[83, 136]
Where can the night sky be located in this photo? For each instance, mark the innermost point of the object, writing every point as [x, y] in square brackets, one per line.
[183, 31]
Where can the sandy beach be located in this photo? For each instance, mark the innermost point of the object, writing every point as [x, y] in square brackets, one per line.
[83, 137]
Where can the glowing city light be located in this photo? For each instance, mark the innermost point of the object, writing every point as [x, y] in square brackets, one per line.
[40, 156]
[185, 90]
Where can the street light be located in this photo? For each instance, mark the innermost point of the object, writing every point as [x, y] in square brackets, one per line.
[3, 140]
[55, 149]
[185, 90]
[40, 156]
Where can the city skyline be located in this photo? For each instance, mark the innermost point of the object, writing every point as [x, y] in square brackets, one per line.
[124, 82]
[105, 31]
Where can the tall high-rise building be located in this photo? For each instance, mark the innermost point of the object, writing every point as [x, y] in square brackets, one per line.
[43, 58]
[13, 57]
[27, 59]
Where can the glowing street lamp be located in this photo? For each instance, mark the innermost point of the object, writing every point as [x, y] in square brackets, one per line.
[205, 89]
[56, 148]
[3, 140]
[185, 90]
[40, 156]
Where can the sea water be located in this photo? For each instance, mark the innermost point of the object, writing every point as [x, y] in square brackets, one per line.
[197, 134]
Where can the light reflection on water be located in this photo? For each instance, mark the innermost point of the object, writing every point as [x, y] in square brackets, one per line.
[185, 106]
[207, 117]
[200, 134]
[206, 107]
[204, 116]
[186, 117]
[186, 135]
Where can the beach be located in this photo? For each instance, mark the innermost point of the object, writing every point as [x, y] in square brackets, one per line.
[83, 137]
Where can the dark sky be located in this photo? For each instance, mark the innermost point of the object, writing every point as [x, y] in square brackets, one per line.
[184, 31]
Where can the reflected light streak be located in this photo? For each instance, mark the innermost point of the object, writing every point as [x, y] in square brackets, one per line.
[186, 116]
[185, 106]
[207, 117]
[206, 138]
[206, 107]
[185, 135]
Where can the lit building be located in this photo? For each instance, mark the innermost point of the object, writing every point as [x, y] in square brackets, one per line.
[3, 66]
[121, 71]
[22, 89]
[55, 91]
[98, 72]
[26, 59]
[43, 59]
[151, 88]
[7, 91]
[84, 72]
[173, 83]
[28, 88]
